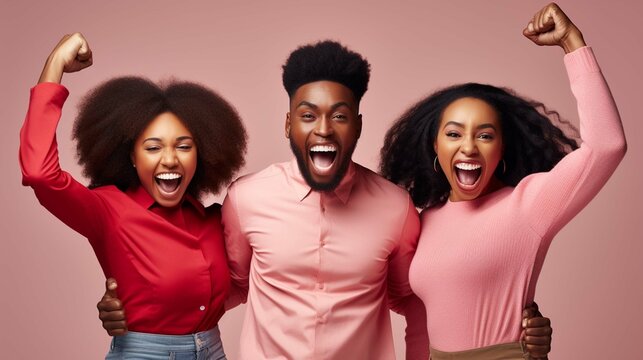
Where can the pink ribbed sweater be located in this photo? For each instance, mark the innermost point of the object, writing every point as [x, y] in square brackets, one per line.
[478, 262]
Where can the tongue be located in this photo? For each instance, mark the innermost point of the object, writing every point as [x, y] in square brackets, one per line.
[323, 159]
[169, 186]
[468, 177]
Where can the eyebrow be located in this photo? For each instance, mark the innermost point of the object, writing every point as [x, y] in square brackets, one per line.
[180, 138]
[483, 126]
[313, 106]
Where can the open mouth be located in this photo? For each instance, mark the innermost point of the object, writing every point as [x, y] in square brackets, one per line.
[168, 183]
[323, 156]
[468, 174]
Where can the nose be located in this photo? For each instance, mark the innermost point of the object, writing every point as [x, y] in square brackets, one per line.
[324, 127]
[169, 159]
[468, 146]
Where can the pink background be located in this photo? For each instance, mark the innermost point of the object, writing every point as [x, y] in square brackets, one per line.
[591, 284]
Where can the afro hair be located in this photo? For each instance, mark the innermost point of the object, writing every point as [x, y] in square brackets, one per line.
[326, 60]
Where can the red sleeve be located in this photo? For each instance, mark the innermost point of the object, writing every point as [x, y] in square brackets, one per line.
[70, 201]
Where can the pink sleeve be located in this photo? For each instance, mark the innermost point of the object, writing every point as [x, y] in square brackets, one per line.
[70, 201]
[553, 198]
[238, 251]
[400, 296]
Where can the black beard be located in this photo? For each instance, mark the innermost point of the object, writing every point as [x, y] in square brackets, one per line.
[305, 172]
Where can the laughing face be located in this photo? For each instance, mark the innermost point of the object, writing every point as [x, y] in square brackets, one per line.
[323, 126]
[165, 158]
[469, 147]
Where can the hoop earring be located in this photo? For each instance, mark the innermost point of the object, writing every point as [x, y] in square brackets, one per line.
[504, 166]
[435, 167]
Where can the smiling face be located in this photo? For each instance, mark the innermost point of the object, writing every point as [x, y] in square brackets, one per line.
[323, 126]
[469, 147]
[165, 158]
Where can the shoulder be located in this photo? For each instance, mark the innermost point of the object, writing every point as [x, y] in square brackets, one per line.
[269, 174]
[380, 185]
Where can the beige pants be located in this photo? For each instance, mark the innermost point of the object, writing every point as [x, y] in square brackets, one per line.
[510, 351]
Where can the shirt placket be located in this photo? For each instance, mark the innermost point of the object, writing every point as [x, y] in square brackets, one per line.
[321, 287]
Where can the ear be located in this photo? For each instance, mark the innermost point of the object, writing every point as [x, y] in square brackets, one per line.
[435, 145]
[287, 128]
[131, 158]
[359, 125]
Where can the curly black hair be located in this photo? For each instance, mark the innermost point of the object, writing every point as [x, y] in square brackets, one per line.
[535, 139]
[326, 60]
[113, 115]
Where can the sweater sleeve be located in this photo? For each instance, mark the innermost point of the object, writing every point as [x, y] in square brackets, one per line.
[70, 201]
[550, 200]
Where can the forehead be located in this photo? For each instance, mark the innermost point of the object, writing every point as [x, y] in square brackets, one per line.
[470, 111]
[166, 124]
[323, 93]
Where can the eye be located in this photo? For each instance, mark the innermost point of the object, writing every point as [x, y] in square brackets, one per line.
[340, 117]
[152, 148]
[486, 136]
[308, 117]
[452, 134]
[184, 147]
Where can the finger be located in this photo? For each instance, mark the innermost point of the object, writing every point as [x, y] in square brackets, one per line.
[109, 305]
[537, 340]
[539, 331]
[529, 29]
[537, 322]
[117, 315]
[110, 288]
[117, 332]
[115, 328]
[84, 54]
[538, 351]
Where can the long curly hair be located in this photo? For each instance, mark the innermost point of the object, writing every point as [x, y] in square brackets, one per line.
[535, 140]
[113, 115]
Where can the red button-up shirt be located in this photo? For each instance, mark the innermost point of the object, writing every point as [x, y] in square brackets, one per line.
[170, 263]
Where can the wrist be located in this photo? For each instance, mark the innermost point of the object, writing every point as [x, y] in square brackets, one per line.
[574, 40]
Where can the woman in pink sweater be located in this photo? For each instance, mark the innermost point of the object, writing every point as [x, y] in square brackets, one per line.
[497, 179]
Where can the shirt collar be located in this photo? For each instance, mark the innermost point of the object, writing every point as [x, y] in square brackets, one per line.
[302, 189]
[143, 198]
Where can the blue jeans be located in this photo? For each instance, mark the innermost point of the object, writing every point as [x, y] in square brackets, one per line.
[205, 345]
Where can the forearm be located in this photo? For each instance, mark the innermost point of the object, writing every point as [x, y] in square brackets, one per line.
[416, 335]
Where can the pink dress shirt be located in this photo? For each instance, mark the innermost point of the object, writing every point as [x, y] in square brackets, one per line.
[321, 269]
[478, 261]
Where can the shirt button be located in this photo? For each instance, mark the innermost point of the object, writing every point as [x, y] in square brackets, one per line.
[322, 242]
[201, 307]
[320, 285]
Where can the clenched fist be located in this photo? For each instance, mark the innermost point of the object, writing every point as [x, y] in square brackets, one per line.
[70, 55]
[550, 26]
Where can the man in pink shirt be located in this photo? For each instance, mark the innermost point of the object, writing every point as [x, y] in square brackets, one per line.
[320, 246]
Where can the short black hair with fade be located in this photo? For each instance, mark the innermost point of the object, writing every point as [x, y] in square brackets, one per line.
[326, 60]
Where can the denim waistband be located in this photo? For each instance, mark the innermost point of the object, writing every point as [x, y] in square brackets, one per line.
[192, 342]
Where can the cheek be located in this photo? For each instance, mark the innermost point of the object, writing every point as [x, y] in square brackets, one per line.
[189, 162]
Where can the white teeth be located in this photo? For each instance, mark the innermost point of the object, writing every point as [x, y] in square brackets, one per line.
[323, 148]
[168, 176]
[468, 166]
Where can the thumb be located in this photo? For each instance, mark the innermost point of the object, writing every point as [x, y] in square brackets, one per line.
[110, 289]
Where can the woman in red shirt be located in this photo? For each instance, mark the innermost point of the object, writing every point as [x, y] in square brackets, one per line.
[150, 151]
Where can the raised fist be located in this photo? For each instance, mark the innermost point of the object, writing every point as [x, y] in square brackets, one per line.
[550, 26]
[70, 55]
